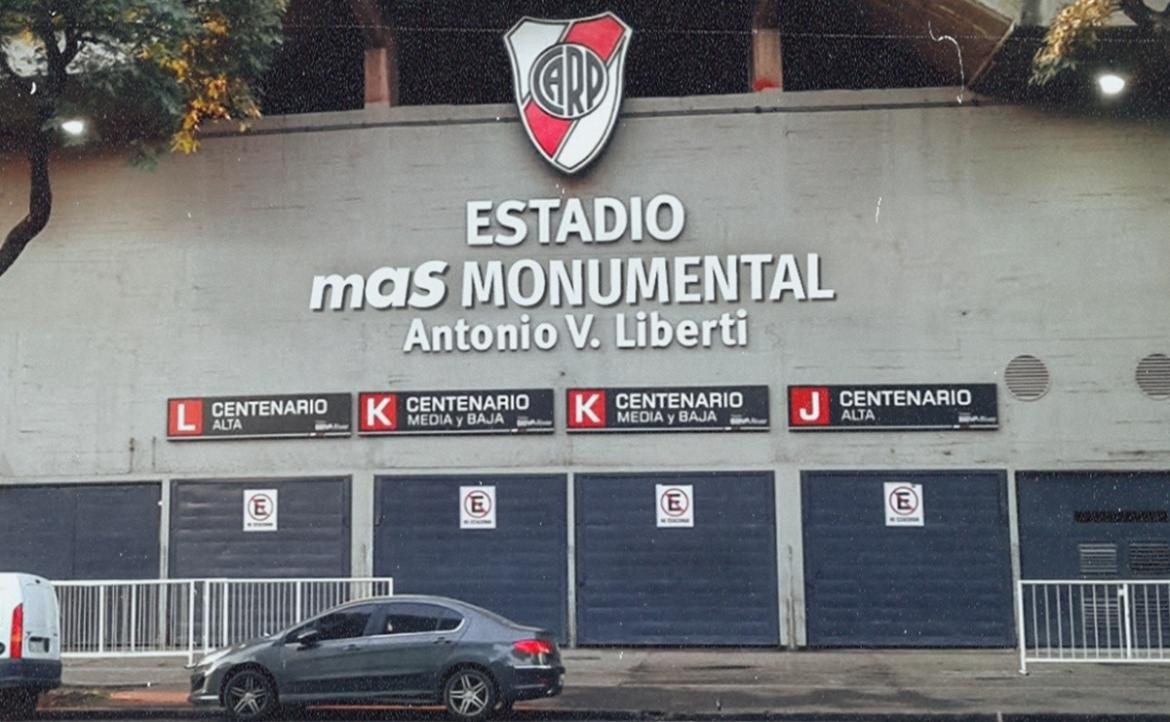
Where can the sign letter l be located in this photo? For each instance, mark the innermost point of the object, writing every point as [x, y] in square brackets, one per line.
[181, 422]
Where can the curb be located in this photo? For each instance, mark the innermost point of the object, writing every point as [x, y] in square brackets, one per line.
[531, 715]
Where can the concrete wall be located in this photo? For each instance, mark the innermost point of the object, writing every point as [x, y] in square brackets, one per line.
[956, 237]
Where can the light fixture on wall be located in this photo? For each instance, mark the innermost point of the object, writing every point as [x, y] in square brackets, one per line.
[1111, 84]
[74, 126]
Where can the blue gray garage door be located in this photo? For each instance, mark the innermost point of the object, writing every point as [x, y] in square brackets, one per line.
[518, 568]
[95, 531]
[710, 584]
[1094, 525]
[311, 539]
[946, 583]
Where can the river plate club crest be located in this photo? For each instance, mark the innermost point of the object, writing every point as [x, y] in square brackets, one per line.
[568, 80]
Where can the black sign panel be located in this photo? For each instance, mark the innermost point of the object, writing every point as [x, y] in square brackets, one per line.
[259, 417]
[684, 408]
[921, 407]
[507, 411]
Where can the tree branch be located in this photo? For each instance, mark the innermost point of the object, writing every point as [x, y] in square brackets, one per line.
[72, 43]
[1147, 18]
[40, 193]
[57, 62]
[1139, 12]
[40, 197]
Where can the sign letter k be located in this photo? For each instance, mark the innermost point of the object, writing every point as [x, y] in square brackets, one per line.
[585, 407]
[375, 415]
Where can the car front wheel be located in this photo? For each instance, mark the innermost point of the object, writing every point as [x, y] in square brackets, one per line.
[249, 695]
[470, 695]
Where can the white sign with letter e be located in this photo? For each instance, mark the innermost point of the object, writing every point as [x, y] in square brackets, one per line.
[675, 504]
[477, 507]
[260, 510]
[904, 504]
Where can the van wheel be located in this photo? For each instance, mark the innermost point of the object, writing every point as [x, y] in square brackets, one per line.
[18, 704]
[469, 695]
[249, 695]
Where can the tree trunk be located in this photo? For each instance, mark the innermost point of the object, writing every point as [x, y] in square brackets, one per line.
[40, 201]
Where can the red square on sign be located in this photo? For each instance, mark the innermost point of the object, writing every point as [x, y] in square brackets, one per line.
[586, 409]
[377, 412]
[808, 406]
[185, 417]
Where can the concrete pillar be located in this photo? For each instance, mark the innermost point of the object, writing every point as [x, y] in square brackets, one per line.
[381, 52]
[363, 517]
[571, 530]
[381, 76]
[766, 71]
[164, 529]
[790, 555]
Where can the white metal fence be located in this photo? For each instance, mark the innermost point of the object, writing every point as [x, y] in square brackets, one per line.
[185, 617]
[1093, 621]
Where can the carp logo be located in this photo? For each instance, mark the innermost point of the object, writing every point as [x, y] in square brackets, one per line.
[568, 80]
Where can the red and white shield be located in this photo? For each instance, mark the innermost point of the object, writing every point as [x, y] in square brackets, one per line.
[568, 80]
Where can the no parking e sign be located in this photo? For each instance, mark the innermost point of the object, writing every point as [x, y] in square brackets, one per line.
[477, 507]
[904, 504]
[675, 505]
[260, 510]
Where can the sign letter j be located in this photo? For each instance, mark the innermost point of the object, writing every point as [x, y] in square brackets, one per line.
[813, 413]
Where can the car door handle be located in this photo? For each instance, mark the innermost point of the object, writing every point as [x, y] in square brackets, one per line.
[352, 647]
[443, 640]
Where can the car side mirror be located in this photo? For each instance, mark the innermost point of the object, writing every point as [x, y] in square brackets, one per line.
[307, 638]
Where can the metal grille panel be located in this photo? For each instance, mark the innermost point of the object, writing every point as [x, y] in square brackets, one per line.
[1153, 375]
[1149, 559]
[1027, 378]
[1098, 561]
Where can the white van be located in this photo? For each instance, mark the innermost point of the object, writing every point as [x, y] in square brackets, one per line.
[30, 642]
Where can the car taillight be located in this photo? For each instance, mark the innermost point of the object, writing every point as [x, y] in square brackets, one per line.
[16, 646]
[534, 647]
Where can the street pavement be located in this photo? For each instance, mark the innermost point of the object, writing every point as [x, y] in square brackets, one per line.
[745, 684]
[553, 716]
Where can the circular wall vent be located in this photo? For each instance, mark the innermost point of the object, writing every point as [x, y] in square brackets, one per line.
[1027, 378]
[1153, 375]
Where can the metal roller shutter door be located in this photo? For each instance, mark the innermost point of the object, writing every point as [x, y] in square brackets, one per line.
[71, 531]
[944, 584]
[1094, 525]
[713, 584]
[518, 569]
[312, 539]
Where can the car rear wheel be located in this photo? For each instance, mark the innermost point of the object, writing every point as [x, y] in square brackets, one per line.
[470, 695]
[249, 695]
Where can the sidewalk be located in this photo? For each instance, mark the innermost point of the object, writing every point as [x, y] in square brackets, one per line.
[745, 682]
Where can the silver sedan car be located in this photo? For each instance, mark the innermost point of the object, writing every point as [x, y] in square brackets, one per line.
[400, 650]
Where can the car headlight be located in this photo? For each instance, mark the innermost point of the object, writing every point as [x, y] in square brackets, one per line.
[210, 660]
